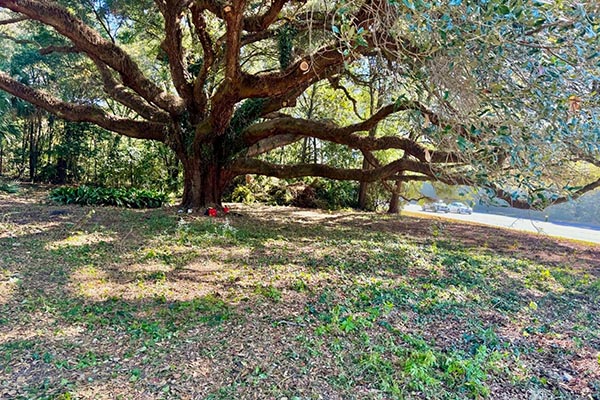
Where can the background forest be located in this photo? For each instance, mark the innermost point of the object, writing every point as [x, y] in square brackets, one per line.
[38, 147]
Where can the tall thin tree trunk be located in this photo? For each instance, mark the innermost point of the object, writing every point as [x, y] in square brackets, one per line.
[32, 160]
[363, 188]
[376, 99]
[304, 152]
[395, 199]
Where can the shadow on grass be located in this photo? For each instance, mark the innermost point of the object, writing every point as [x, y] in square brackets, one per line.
[353, 275]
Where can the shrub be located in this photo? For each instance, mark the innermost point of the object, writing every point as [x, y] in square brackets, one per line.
[9, 187]
[334, 195]
[320, 193]
[87, 195]
[242, 194]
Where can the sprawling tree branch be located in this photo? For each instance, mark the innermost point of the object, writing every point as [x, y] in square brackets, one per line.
[128, 98]
[304, 70]
[262, 22]
[534, 203]
[388, 171]
[254, 166]
[13, 20]
[90, 42]
[199, 22]
[83, 113]
[172, 12]
[271, 143]
[227, 96]
[347, 135]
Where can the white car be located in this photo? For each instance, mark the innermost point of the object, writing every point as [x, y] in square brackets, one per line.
[438, 206]
[459, 208]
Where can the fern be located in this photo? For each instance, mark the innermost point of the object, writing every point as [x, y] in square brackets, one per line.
[130, 198]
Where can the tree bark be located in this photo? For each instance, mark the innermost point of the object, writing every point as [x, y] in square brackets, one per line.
[61, 171]
[395, 199]
[203, 182]
[31, 153]
[363, 188]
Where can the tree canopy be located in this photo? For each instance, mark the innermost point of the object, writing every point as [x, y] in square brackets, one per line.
[493, 94]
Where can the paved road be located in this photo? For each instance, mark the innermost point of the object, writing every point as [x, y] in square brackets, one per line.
[521, 224]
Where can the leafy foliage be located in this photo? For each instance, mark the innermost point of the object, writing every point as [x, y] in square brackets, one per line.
[318, 193]
[508, 90]
[87, 195]
[336, 194]
[9, 187]
[285, 45]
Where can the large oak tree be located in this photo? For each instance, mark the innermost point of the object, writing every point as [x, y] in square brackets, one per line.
[489, 93]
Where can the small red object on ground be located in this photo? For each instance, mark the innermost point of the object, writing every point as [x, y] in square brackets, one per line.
[212, 212]
[225, 210]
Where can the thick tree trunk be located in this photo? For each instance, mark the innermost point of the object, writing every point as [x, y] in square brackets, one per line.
[203, 183]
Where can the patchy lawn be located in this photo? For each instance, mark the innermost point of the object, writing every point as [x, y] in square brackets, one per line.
[276, 303]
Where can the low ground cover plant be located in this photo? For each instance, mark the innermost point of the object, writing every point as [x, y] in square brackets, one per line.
[120, 197]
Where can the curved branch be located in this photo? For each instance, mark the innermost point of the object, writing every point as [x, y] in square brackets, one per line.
[272, 143]
[528, 204]
[254, 166]
[227, 95]
[199, 22]
[92, 43]
[251, 24]
[262, 22]
[83, 113]
[275, 84]
[13, 20]
[320, 64]
[388, 171]
[129, 99]
[345, 136]
[172, 46]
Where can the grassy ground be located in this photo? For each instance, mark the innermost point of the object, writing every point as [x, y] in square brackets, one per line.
[278, 303]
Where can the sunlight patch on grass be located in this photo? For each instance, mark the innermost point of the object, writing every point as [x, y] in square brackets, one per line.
[8, 285]
[104, 290]
[141, 282]
[13, 230]
[98, 389]
[7, 290]
[80, 239]
[91, 282]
